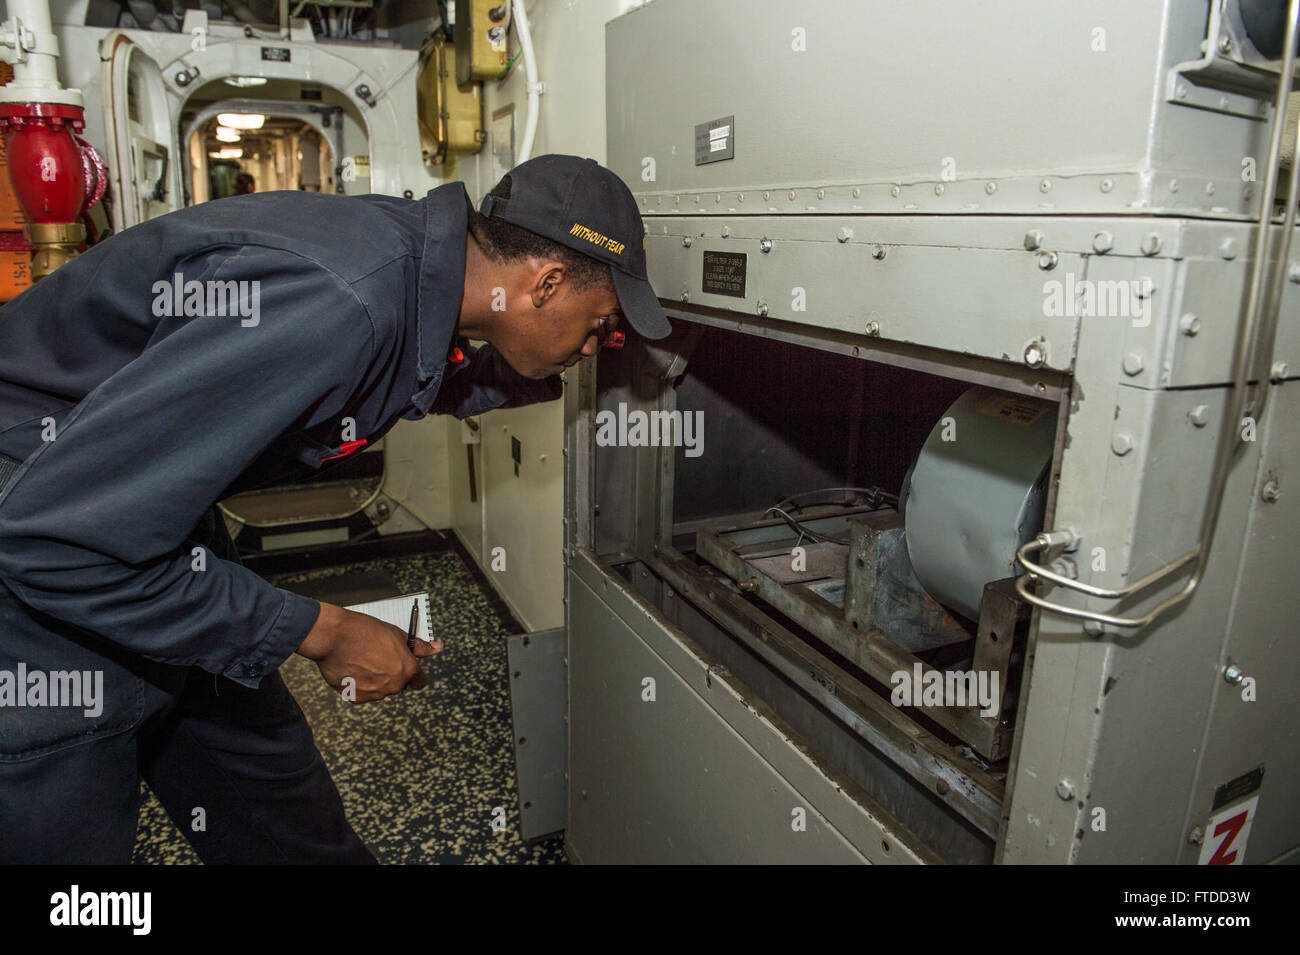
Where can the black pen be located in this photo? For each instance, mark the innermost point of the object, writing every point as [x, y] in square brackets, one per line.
[410, 629]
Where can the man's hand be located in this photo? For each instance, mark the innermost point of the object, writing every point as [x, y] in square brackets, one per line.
[373, 653]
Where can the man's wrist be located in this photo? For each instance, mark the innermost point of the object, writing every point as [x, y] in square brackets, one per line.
[324, 633]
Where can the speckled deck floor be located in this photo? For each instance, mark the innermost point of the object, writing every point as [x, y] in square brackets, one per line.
[419, 773]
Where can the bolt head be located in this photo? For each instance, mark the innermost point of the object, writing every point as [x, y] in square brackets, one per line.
[1035, 355]
[878, 253]
[1133, 364]
[761, 309]
[1228, 249]
[843, 235]
[1150, 244]
[1277, 373]
[1064, 567]
[1196, 836]
[938, 189]
[1271, 491]
[1033, 240]
[1121, 443]
[1065, 789]
[1094, 628]
[1103, 242]
[1047, 261]
[1189, 325]
[990, 188]
[873, 328]
[765, 245]
[821, 193]
[726, 231]
[1233, 674]
[1293, 273]
[1199, 416]
[687, 240]
[1225, 44]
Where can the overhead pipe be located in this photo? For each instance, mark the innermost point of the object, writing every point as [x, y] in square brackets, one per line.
[535, 88]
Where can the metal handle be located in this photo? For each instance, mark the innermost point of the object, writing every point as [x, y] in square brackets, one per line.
[1258, 329]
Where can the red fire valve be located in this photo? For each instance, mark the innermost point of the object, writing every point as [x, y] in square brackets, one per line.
[616, 340]
[56, 177]
[45, 159]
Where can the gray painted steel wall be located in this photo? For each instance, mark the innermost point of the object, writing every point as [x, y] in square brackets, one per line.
[838, 158]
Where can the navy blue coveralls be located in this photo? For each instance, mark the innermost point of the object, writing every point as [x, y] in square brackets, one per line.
[121, 428]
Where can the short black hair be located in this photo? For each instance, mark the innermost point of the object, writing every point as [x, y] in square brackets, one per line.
[504, 241]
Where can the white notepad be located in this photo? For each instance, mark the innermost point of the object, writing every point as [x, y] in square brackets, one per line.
[397, 611]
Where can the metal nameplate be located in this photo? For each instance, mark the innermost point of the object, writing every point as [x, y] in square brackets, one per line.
[715, 140]
[724, 273]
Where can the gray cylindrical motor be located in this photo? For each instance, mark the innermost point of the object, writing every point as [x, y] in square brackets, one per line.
[977, 492]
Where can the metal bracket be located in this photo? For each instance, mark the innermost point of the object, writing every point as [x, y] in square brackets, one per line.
[1230, 77]
[21, 40]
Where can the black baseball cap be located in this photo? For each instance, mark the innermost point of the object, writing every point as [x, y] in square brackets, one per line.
[582, 205]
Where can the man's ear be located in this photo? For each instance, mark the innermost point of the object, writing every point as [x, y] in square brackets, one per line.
[548, 282]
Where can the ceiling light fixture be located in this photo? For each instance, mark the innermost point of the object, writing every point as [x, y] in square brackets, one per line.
[241, 120]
